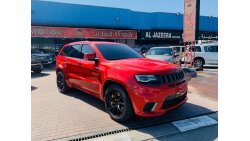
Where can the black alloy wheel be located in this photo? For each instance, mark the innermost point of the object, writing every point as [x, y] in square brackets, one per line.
[117, 103]
[61, 83]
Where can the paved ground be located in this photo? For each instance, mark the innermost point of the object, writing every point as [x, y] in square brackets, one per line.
[202, 128]
[209, 81]
[59, 116]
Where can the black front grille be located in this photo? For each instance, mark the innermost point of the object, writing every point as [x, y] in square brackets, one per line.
[173, 100]
[172, 77]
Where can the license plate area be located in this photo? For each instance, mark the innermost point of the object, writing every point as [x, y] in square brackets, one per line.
[174, 99]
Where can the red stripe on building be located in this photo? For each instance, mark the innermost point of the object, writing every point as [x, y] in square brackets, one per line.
[63, 32]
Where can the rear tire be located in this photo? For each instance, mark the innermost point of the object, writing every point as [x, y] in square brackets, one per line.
[118, 104]
[198, 63]
[61, 83]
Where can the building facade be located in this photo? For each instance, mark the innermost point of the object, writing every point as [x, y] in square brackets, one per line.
[55, 24]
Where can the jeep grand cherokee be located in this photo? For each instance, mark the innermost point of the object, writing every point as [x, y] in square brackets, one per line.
[128, 83]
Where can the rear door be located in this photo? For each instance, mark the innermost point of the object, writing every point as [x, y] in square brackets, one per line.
[63, 59]
[211, 54]
[197, 51]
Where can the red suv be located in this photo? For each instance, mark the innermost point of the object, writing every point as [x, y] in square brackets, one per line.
[127, 82]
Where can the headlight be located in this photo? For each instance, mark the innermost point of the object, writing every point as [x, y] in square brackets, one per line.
[146, 78]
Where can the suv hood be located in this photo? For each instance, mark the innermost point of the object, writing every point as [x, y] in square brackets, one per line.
[143, 65]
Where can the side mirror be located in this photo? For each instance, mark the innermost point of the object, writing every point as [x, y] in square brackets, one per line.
[90, 56]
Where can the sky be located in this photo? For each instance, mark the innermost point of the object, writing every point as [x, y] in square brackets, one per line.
[207, 7]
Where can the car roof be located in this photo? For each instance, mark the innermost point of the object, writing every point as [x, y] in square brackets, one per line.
[92, 42]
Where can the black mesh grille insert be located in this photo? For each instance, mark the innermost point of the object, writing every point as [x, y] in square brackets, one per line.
[148, 107]
[173, 100]
[172, 77]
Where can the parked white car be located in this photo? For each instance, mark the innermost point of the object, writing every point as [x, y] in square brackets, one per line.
[205, 55]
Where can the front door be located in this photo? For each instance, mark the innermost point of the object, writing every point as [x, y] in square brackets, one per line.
[88, 72]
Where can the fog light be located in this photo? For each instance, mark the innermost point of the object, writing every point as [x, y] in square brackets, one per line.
[150, 107]
[154, 107]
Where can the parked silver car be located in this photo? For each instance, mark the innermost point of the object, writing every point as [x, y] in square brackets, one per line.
[168, 54]
[46, 58]
[36, 64]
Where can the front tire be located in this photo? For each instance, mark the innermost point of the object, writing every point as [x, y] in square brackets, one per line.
[118, 104]
[61, 83]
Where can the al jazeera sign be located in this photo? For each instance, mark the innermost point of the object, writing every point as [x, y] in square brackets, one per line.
[191, 20]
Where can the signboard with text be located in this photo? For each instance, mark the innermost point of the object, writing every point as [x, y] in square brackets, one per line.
[62, 32]
[160, 35]
[208, 36]
[191, 20]
[174, 35]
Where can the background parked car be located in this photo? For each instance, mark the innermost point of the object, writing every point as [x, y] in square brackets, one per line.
[46, 57]
[205, 55]
[36, 64]
[47, 51]
[164, 53]
[142, 49]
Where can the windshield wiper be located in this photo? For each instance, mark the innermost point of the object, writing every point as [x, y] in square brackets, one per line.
[118, 58]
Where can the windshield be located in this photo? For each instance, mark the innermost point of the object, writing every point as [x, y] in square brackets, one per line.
[160, 51]
[117, 51]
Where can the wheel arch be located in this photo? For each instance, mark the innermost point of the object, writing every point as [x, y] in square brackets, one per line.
[58, 69]
[108, 83]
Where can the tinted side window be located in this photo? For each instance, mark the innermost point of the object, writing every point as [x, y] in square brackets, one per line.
[66, 50]
[177, 49]
[211, 48]
[196, 49]
[87, 49]
[215, 48]
[76, 51]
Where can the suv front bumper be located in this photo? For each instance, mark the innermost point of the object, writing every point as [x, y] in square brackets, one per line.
[151, 101]
[36, 66]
